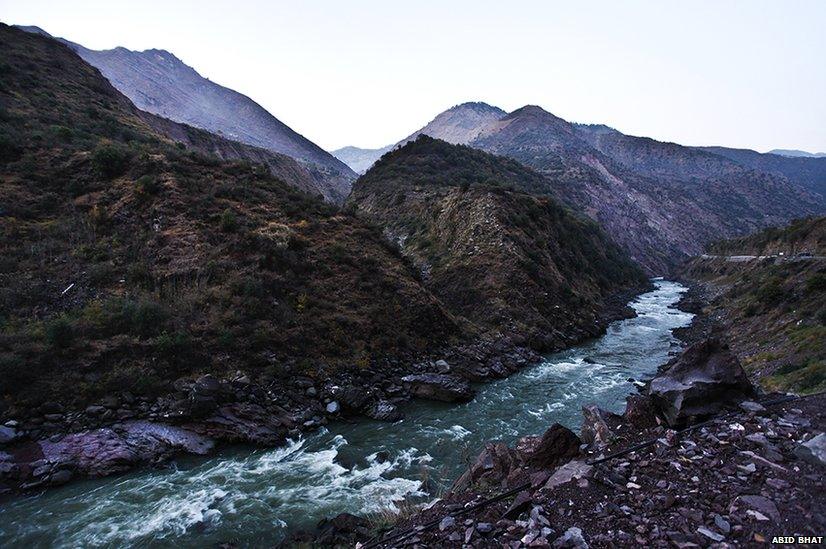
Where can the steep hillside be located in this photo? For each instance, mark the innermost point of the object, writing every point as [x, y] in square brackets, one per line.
[808, 172]
[128, 262]
[158, 82]
[658, 215]
[773, 307]
[491, 252]
[662, 202]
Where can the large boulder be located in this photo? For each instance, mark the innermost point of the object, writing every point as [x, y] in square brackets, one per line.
[492, 467]
[699, 383]
[557, 445]
[445, 388]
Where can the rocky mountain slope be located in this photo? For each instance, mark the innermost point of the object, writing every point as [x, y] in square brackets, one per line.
[489, 249]
[660, 201]
[808, 172]
[158, 82]
[772, 306]
[128, 262]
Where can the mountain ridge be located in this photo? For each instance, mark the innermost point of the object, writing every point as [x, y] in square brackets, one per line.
[158, 82]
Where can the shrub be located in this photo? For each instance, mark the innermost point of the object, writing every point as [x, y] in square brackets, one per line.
[59, 333]
[228, 222]
[147, 185]
[111, 160]
[817, 283]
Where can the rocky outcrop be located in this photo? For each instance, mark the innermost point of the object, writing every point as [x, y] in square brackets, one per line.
[445, 388]
[699, 383]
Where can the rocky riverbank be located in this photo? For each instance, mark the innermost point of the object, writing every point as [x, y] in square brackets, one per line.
[52, 445]
[701, 458]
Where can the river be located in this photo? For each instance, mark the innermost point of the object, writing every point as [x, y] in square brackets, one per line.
[254, 496]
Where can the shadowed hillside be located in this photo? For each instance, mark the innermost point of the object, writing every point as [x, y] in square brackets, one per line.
[492, 252]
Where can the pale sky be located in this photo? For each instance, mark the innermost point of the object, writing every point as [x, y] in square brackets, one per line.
[367, 73]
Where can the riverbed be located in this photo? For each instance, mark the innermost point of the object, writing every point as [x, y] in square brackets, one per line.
[255, 496]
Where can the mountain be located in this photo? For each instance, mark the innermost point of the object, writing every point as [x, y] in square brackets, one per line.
[459, 124]
[359, 160]
[808, 172]
[660, 201]
[490, 249]
[158, 82]
[795, 153]
[129, 261]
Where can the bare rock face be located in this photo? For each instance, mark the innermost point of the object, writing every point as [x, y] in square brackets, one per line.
[441, 387]
[699, 383]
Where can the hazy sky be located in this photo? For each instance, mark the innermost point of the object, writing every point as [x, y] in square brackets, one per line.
[367, 73]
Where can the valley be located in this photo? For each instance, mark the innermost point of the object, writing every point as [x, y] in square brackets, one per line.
[502, 330]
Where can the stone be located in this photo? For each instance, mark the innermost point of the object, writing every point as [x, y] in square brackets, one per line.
[207, 385]
[594, 430]
[557, 445]
[342, 530]
[384, 410]
[572, 538]
[445, 388]
[568, 472]
[521, 503]
[722, 524]
[813, 451]
[493, 465]
[640, 411]
[333, 407]
[484, 528]
[7, 434]
[311, 392]
[442, 366]
[60, 477]
[699, 383]
[352, 399]
[95, 410]
[709, 534]
[447, 522]
[759, 504]
[751, 406]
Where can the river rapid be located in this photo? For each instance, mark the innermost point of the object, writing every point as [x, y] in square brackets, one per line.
[255, 497]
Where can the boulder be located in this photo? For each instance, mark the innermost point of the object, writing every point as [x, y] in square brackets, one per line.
[352, 399]
[384, 410]
[333, 407]
[344, 529]
[813, 451]
[493, 465]
[594, 430]
[699, 383]
[573, 470]
[557, 445]
[445, 388]
[640, 412]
